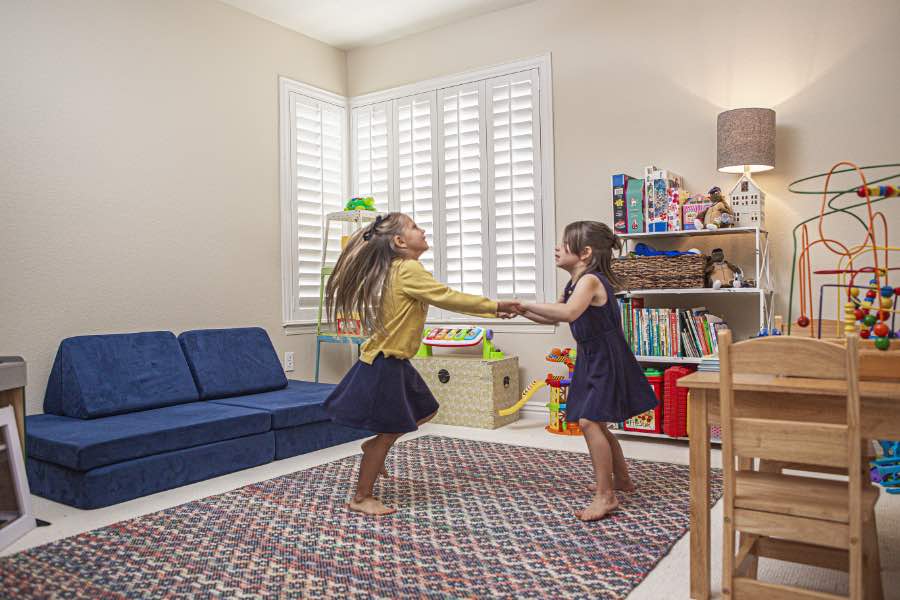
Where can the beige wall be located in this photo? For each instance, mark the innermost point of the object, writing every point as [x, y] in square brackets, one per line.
[637, 83]
[139, 170]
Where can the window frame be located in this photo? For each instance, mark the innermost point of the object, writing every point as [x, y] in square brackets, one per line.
[545, 214]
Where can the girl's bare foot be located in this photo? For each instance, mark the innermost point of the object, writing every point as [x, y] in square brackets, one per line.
[623, 485]
[370, 505]
[599, 507]
[364, 446]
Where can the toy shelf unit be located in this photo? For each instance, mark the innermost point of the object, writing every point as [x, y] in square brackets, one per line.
[747, 310]
[676, 326]
[348, 330]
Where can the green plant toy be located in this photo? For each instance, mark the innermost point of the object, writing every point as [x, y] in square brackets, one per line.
[363, 203]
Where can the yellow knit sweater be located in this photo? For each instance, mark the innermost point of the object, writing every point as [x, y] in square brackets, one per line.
[412, 290]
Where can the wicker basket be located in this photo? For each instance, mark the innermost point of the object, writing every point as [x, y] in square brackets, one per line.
[656, 272]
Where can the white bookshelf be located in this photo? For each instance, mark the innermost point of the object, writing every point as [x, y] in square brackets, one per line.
[744, 309]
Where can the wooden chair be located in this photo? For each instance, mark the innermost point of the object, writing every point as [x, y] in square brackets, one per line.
[823, 522]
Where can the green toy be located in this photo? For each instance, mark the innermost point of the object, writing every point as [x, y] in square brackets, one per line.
[459, 337]
[363, 203]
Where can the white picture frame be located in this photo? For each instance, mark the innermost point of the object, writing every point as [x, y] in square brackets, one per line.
[22, 520]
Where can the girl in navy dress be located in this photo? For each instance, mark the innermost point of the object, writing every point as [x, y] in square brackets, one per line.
[379, 278]
[608, 384]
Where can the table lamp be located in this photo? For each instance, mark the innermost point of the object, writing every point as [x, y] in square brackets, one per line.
[745, 143]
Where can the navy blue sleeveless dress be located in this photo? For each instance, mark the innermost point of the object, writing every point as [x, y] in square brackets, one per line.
[608, 384]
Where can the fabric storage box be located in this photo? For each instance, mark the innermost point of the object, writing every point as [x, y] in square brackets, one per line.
[659, 272]
[471, 390]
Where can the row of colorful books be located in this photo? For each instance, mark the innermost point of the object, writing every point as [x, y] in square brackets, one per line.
[669, 332]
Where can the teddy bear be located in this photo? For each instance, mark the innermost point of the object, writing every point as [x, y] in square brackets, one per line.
[720, 273]
[716, 216]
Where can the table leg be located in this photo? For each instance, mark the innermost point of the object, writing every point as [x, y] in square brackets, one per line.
[698, 413]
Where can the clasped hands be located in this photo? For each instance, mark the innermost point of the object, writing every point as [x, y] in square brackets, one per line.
[508, 309]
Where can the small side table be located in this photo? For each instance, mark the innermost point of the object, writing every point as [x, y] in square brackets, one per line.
[12, 390]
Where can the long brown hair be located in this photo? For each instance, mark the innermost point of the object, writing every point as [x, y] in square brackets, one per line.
[601, 240]
[360, 282]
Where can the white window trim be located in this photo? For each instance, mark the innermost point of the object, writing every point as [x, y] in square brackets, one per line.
[547, 231]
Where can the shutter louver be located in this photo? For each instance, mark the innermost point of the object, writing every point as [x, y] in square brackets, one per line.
[415, 166]
[372, 169]
[513, 136]
[463, 195]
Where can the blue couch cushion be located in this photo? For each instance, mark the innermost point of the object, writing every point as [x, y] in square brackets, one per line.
[299, 403]
[292, 441]
[82, 445]
[231, 362]
[135, 478]
[102, 375]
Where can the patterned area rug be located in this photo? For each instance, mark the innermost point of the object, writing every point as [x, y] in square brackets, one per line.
[476, 519]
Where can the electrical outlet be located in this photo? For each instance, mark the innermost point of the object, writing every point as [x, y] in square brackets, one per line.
[288, 361]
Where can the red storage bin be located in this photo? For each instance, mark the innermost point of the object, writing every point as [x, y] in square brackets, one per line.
[675, 413]
[652, 420]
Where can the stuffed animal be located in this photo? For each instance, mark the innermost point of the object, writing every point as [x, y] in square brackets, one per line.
[720, 273]
[716, 216]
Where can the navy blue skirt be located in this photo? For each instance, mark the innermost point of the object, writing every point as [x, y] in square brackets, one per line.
[388, 396]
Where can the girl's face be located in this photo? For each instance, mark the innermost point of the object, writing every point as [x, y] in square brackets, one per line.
[568, 260]
[411, 240]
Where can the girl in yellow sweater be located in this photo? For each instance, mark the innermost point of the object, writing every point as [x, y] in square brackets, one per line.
[379, 277]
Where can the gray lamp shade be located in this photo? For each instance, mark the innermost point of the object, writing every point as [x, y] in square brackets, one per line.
[745, 137]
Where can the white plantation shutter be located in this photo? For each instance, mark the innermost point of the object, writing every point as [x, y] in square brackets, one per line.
[415, 178]
[514, 140]
[371, 150]
[317, 158]
[461, 151]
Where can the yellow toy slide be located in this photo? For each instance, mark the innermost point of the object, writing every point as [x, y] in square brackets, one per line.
[526, 396]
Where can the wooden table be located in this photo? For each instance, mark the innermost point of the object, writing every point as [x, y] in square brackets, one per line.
[797, 398]
[12, 390]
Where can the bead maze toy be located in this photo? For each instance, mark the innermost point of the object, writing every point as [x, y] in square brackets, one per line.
[867, 315]
[459, 337]
[559, 387]
[886, 470]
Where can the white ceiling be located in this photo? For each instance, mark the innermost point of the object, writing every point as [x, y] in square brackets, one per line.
[348, 24]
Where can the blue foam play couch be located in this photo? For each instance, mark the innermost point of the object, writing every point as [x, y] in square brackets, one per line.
[128, 415]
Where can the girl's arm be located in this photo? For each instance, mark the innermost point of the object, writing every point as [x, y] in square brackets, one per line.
[533, 316]
[419, 284]
[587, 288]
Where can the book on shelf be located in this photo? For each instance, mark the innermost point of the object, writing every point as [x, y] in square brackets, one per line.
[669, 332]
[709, 363]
